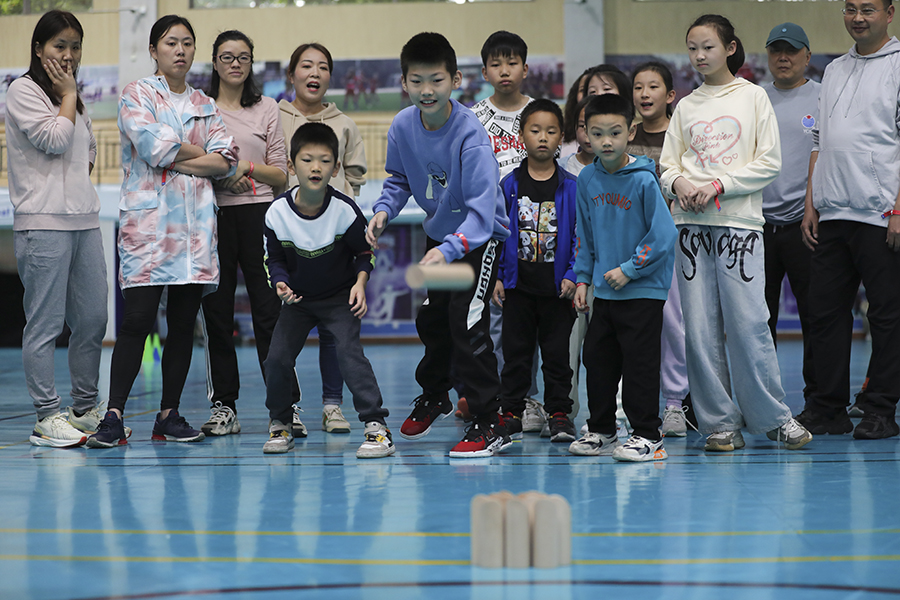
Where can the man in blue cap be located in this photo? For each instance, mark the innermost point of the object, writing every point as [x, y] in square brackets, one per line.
[795, 100]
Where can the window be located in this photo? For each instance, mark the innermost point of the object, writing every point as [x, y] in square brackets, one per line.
[34, 7]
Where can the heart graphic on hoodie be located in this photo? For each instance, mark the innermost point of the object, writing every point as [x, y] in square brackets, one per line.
[711, 140]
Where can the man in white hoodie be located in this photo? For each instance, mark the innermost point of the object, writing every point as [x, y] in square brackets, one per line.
[852, 223]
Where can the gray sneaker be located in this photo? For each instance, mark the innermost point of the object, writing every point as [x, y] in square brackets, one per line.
[222, 421]
[333, 420]
[534, 419]
[793, 434]
[89, 422]
[378, 443]
[724, 441]
[674, 423]
[280, 438]
[594, 444]
[297, 427]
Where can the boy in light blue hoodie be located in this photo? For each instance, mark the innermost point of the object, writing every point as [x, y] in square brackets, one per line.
[439, 153]
[626, 240]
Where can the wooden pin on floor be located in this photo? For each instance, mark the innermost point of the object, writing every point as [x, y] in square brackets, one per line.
[532, 529]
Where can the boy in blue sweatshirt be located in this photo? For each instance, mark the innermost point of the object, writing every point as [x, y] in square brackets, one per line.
[536, 280]
[439, 153]
[317, 257]
[626, 238]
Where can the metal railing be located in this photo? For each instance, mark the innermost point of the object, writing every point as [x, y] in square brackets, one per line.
[108, 168]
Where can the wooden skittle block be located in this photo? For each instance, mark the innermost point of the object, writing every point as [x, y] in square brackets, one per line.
[487, 531]
[552, 533]
[517, 545]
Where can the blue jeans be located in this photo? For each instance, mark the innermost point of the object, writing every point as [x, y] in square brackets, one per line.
[721, 273]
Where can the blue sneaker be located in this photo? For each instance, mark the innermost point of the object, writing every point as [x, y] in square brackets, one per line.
[175, 429]
[110, 433]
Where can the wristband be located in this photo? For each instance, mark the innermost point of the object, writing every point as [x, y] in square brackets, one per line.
[719, 190]
[250, 172]
[890, 213]
[580, 284]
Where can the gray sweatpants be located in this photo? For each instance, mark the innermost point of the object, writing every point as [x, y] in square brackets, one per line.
[64, 275]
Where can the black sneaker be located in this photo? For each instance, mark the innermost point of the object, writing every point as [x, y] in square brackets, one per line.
[110, 433]
[513, 424]
[871, 427]
[561, 428]
[482, 439]
[428, 409]
[817, 422]
[175, 428]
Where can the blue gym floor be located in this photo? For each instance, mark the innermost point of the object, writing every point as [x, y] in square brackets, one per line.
[219, 519]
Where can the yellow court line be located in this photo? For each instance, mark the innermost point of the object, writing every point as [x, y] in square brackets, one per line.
[426, 534]
[443, 563]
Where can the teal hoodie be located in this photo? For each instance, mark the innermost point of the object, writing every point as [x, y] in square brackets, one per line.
[623, 221]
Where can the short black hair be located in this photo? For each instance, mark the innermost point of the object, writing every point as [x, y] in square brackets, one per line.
[428, 48]
[609, 104]
[540, 105]
[503, 44]
[310, 134]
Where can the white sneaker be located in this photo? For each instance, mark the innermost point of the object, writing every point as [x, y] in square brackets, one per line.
[89, 422]
[793, 434]
[297, 426]
[594, 444]
[222, 421]
[534, 418]
[280, 438]
[56, 432]
[674, 423]
[333, 420]
[724, 441]
[378, 442]
[640, 449]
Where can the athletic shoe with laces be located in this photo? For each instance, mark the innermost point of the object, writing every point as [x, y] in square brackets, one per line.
[876, 427]
[534, 418]
[819, 422]
[89, 422]
[280, 439]
[333, 420]
[674, 423]
[793, 434]
[298, 429]
[222, 421]
[56, 432]
[594, 444]
[724, 441]
[481, 439]
[378, 442]
[428, 409]
[175, 428]
[513, 424]
[110, 433]
[640, 449]
[561, 428]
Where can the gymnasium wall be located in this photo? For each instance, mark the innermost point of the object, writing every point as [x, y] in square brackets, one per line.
[379, 30]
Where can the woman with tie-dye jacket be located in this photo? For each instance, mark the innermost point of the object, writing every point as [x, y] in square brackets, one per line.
[173, 143]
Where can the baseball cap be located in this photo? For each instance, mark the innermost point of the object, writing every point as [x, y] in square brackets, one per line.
[790, 33]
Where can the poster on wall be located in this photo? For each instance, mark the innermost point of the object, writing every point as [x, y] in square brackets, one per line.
[99, 87]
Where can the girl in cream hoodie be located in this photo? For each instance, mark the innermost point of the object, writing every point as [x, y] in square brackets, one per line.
[721, 149]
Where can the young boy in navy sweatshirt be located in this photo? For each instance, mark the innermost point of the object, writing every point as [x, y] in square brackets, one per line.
[626, 239]
[439, 153]
[317, 258]
[536, 280]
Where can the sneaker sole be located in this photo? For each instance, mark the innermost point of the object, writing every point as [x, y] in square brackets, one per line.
[390, 451]
[299, 432]
[336, 429]
[879, 435]
[830, 429]
[38, 440]
[171, 438]
[419, 436]
[225, 431]
[491, 450]
[675, 433]
[563, 437]
[94, 443]
[660, 454]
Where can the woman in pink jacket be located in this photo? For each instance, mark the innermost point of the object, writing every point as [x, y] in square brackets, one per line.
[57, 230]
[173, 144]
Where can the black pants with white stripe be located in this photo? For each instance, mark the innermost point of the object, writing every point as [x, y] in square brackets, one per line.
[455, 326]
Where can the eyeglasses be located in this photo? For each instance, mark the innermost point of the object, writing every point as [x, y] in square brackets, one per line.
[244, 59]
[866, 12]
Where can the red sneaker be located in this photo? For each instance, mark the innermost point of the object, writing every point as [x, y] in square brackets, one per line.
[481, 439]
[428, 409]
